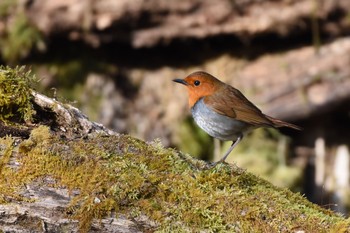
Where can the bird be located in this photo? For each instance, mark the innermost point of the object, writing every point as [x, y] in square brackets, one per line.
[223, 111]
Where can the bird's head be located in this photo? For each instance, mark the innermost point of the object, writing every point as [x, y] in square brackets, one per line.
[200, 84]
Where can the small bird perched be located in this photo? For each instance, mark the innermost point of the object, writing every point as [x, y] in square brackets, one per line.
[223, 111]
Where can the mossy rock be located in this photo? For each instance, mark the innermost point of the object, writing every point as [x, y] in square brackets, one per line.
[132, 178]
[158, 189]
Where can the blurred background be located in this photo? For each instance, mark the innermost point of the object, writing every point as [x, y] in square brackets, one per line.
[115, 60]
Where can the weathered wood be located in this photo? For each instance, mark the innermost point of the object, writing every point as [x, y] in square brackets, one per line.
[67, 119]
[49, 214]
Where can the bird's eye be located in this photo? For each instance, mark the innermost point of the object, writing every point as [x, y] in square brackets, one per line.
[196, 83]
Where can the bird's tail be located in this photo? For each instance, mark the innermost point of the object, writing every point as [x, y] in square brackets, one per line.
[278, 123]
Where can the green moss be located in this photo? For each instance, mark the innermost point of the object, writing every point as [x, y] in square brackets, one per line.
[133, 178]
[15, 104]
[8, 180]
[5, 154]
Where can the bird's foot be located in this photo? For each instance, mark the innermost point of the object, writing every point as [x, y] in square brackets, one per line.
[211, 165]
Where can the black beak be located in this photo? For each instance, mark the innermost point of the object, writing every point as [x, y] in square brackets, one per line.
[180, 81]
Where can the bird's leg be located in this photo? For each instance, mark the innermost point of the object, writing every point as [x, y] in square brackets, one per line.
[234, 144]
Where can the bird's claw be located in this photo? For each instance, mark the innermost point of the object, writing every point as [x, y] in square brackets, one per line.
[211, 165]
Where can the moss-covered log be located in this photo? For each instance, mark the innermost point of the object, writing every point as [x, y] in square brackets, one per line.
[99, 181]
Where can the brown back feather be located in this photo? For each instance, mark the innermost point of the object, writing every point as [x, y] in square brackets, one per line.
[232, 103]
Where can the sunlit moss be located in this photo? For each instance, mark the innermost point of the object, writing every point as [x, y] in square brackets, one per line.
[6, 147]
[134, 178]
[8, 179]
[15, 104]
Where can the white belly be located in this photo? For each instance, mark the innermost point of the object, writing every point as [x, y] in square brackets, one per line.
[216, 125]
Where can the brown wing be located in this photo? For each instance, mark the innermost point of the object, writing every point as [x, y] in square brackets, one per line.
[232, 103]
